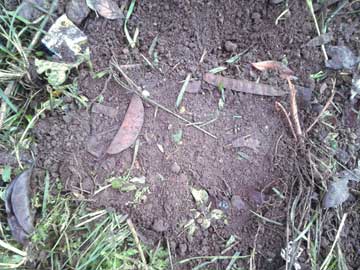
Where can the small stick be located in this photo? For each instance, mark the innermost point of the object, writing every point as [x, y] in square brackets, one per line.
[136, 89]
[169, 252]
[278, 105]
[137, 242]
[294, 111]
[324, 109]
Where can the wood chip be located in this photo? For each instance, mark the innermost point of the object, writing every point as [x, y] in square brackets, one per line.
[242, 85]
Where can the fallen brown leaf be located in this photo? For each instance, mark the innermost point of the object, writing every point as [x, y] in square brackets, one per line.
[242, 85]
[108, 9]
[283, 70]
[130, 127]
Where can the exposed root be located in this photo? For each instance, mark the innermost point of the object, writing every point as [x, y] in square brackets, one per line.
[324, 109]
[294, 112]
[279, 106]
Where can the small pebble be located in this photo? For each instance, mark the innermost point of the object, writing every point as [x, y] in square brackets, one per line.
[175, 168]
[77, 11]
[230, 46]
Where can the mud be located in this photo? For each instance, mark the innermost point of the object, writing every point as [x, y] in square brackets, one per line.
[192, 37]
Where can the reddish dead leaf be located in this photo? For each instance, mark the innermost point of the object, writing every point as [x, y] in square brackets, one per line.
[130, 127]
[283, 70]
[242, 85]
[108, 9]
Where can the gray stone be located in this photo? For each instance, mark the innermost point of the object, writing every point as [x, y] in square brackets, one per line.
[11, 4]
[77, 11]
[28, 10]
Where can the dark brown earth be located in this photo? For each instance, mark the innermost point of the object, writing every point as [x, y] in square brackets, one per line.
[188, 30]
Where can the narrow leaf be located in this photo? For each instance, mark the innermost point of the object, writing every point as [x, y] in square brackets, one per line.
[130, 127]
[8, 101]
[182, 90]
[242, 85]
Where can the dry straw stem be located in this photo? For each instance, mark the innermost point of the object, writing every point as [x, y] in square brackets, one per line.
[328, 258]
[133, 87]
[325, 107]
[8, 90]
[278, 105]
[294, 111]
[137, 242]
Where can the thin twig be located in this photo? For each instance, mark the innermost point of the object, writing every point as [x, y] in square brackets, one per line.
[137, 90]
[137, 242]
[337, 237]
[169, 252]
[281, 107]
[324, 109]
[294, 111]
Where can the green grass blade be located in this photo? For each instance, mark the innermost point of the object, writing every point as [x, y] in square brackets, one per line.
[182, 90]
[8, 101]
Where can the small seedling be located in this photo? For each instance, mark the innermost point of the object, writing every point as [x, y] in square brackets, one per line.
[203, 216]
[177, 136]
[132, 40]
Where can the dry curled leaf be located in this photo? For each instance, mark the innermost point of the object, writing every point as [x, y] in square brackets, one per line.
[200, 195]
[20, 201]
[17, 205]
[107, 8]
[130, 127]
[242, 85]
[283, 70]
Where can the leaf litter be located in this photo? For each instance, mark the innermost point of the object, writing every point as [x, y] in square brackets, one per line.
[130, 127]
[18, 208]
[284, 71]
[338, 190]
[341, 57]
[244, 86]
[106, 8]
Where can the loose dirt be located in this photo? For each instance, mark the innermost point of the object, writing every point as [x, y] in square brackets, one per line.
[71, 145]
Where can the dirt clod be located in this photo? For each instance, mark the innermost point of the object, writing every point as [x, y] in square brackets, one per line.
[160, 225]
[175, 168]
[230, 46]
